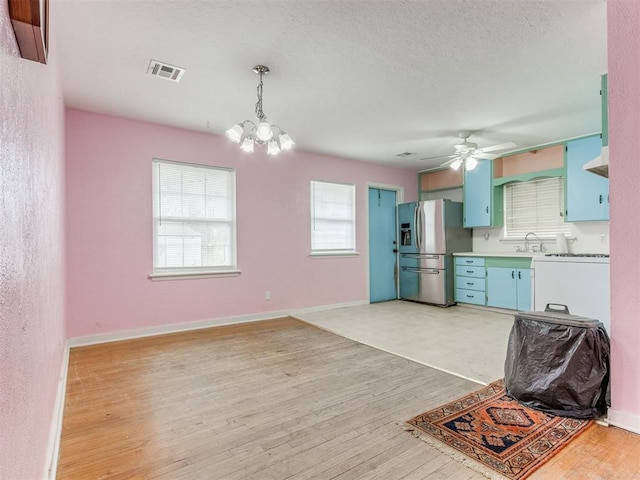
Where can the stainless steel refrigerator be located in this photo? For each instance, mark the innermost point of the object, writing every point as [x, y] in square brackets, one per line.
[430, 231]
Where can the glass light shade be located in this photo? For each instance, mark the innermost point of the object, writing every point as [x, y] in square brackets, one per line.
[247, 144]
[456, 164]
[235, 133]
[285, 141]
[471, 163]
[264, 132]
[272, 147]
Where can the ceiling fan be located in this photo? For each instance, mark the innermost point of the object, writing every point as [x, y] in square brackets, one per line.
[468, 153]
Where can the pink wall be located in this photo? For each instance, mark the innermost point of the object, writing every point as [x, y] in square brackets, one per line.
[31, 256]
[109, 228]
[624, 147]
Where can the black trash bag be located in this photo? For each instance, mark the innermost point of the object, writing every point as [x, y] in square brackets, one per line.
[559, 368]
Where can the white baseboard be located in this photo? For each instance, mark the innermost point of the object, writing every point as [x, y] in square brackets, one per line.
[53, 446]
[197, 325]
[628, 421]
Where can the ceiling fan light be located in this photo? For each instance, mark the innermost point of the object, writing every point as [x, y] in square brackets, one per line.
[471, 163]
[247, 144]
[235, 133]
[272, 147]
[264, 131]
[456, 164]
[285, 141]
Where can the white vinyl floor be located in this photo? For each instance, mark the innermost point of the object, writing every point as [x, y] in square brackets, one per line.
[464, 341]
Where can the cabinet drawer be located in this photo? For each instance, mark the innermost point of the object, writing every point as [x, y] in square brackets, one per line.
[469, 296]
[470, 271]
[477, 261]
[471, 283]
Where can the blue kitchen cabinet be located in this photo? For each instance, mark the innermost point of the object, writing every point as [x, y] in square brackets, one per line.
[523, 291]
[509, 288]
[587, 194]
[477, 195]
[470, 280]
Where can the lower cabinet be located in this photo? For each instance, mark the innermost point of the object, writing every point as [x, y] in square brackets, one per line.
[470, 280]
[503, 282]
[509, 288]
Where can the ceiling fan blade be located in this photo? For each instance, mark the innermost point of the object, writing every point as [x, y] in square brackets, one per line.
[438, 156]
[485, 156]
[502, 146]
[453, 158]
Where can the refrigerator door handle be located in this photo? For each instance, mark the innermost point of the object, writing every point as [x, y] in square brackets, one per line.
[420, 255]
[416, 225]
[418, 270]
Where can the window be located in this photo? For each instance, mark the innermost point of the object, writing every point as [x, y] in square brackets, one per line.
[333, 218]
[535, 206]
[193, 219]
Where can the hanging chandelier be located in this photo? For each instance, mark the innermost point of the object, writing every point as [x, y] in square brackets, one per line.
[247, 133]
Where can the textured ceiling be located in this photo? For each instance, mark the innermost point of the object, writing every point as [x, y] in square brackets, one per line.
[359, 79]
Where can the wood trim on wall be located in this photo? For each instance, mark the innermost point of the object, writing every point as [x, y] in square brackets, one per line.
[440, 179]
[30, 20]
[528, 162]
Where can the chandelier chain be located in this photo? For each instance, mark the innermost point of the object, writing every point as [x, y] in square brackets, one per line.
[259, 113]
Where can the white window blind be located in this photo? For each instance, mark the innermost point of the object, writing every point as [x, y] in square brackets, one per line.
[193, 218]
[535, 206]
[333, 217]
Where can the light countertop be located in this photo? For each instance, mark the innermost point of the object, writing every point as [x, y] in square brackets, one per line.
[500, 254]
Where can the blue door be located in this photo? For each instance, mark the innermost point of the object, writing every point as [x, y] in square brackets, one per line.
[382, 245]
[524, 289]
[501, 287]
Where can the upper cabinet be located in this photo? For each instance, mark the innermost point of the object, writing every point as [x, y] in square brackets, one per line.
[481, 208]
[587, 195]
[605, 110]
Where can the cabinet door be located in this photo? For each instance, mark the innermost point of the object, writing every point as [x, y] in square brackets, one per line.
[523, 281]
[587, 195]
[477, 195]
[502, 287]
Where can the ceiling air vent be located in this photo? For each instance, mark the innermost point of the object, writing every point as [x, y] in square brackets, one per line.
[164, 70]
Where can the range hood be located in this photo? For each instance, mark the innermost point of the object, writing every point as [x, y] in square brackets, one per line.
[600, 164]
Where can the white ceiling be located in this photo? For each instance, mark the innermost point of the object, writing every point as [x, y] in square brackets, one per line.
[359, 79]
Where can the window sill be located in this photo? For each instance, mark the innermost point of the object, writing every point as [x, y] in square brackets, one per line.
[333, 254]
[158, 277]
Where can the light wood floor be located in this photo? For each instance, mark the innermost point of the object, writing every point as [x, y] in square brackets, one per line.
[278, 400]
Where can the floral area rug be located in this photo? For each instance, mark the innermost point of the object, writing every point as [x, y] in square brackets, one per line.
[502, 437]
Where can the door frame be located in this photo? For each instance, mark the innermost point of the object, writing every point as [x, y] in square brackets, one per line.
[399, 199]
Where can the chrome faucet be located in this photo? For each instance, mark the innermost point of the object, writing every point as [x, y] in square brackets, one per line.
[533, 248]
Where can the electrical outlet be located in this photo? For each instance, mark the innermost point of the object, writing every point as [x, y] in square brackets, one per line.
[267, 295]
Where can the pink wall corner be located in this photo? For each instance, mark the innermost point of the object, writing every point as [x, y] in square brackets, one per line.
[109, 228]
[31, 257]
[623, 18]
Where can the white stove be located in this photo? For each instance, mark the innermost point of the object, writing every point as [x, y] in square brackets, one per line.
[574, 257]
[579, 281]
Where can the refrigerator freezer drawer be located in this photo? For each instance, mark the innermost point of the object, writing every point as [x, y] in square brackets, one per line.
[422, 260]
[424, 285]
